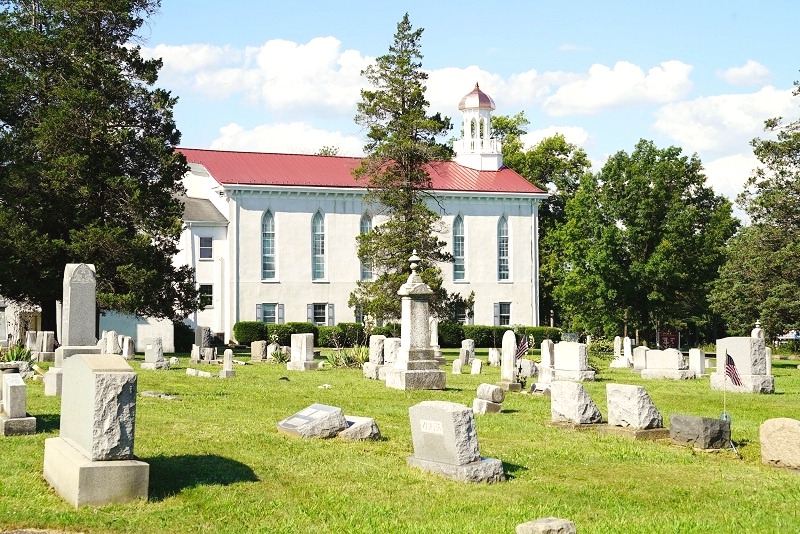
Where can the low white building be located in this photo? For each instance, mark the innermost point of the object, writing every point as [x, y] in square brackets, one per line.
[272, 236]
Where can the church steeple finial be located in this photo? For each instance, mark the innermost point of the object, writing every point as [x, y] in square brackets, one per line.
[477, 150]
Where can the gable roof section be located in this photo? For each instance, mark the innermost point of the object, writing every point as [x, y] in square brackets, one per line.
[260, 168]
[201, 210]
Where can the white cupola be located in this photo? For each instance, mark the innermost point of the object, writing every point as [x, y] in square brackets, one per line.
[477, 150]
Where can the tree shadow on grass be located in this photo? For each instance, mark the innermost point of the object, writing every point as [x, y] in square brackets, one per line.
[169, 475]
[47, 422]
[513, 470]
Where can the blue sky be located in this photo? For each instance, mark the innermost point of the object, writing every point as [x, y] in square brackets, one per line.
[284, 76]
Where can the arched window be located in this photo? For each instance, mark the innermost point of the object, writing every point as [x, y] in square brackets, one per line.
[268, 264]
[459, 269]
[366, 227]
[318, 247]
[503, 272]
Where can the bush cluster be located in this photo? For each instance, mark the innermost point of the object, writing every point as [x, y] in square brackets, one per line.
[342, 335]
[184, 336]
[492, 336]
[245, 332]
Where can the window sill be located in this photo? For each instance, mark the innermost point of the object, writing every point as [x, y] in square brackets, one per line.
[505, 281]
[205, 259]
[321, 281]
[270, 281]
[461, 281]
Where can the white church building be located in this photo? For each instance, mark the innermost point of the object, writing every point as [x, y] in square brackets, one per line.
[272, 237]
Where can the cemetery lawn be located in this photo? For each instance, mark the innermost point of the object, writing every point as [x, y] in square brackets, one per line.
[218, 464]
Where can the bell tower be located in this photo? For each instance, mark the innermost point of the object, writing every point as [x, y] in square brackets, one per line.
[477, 150]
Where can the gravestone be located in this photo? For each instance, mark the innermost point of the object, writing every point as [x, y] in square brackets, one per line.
[391, 346]
[302, 358]
[272, 348]
[458, 365]
[446, 443]
[620, 360]
[258, 351]
[154, 355]
[490, 399]
[467, 352]
[494, 357]
[227, 365]
[617, 347]
[525, 368]
[433, 328]
[316, 421]
[750, 359]
[545, 370]
[508, 363]
[78, 321]
[112, 345]
[571, 403]
[202, 337]
[415, 366]
[14, 419]
[697, 362]
[360, 429]
[780, 442]
[30, 341]
[627, 352]
[631, 407]
[476, 366]
[128, 347]
[547, 525]
[699, 432]
[666, 364]
[371, 369]
[640, 358]
[571, 362]
[92, 461]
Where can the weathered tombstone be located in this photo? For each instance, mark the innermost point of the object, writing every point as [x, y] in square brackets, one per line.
[194, 356]
[780, 442]
[490, 399]
[302, 353]
[666, 364]
[208, 355]
[547, 525]
[112, 343]
[202, 337]
[526, 368]
[415, 366]
[92, 461]
[39, 342]
[128, 347]
[620, 360]
[30, 341]
[699, 432]
[631, 413]
[508, 364]
[360, 429]
[371, 369]
[494, 357]
[476, 366]
[316, 421]
[617, 347]
[571, 403]
[48, 341]
[446, 443]
[467, 352]
[14, 419]
[571, 362]
[227, 365]
[640, 358]
[433, 329]
[627, 351]
[154, 355]
[458, 365]
[545, 370]
[272, 348]
[78, 320]
[391, 346]
[174, 360]
[697, 362]
[258, 351]
[750, 360]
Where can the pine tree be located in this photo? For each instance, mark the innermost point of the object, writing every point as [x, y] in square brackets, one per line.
[402, 140]
[87, 159]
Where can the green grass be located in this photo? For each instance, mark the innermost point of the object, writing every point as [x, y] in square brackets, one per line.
[217, 463]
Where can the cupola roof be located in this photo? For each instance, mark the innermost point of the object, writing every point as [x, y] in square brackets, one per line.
[476, 99]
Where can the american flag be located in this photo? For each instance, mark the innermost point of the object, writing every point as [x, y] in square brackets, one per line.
[730, 370]
[522, 348]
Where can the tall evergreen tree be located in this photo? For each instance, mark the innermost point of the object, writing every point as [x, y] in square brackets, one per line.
[87, 161]
[402, 140]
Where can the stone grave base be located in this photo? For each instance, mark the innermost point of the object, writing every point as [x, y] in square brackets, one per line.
[360, 429]
[581, 427]
[45, 356]
[420, 379]
[482, 406]
[750, 383]
[575, 376]
[484, 470]
[621, 363]
[17, 426]
[667, 374]
[510, 386]
[306, 365]
[541, 388]
[152, 366]
[634, 434]
[71, 350]
[372, 370]
[227, 374]
[83, 482]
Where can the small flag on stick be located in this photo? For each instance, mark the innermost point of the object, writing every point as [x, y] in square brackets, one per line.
[522, 348]
[731, 372]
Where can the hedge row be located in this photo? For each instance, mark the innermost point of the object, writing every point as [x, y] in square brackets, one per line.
[349, 334]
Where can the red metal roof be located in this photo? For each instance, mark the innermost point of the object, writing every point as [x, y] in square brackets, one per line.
[261, 168]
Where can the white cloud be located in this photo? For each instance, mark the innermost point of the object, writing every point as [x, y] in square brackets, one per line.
[572, 134]
[728, 174]
[624, 84]
[569, 47]
[281, 75]
[724, 124]
[751, 73]
[291, 138]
